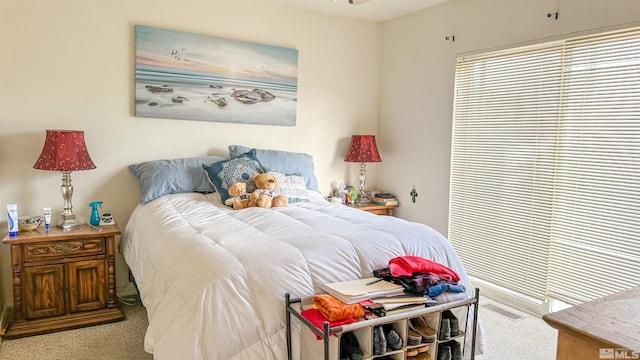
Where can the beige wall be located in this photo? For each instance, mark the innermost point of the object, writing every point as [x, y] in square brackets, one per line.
[69, 64]
[417, 81]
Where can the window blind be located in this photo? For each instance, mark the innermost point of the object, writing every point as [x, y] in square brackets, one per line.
[545, 167]
[595, 234]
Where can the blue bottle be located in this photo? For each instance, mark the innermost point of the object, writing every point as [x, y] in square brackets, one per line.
[95, 216]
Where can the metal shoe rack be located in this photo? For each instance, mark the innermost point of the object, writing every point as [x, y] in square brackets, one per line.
[400, 321]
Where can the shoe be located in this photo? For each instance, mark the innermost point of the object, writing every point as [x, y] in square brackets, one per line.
[421, 356]
[424, 348]
[444, 352]
[453, 320]
[412, 352]
[394, 341]
[379, 341]
[445, 329]
[350, 347]
[420, 326]
[456, 350]
[413, 338]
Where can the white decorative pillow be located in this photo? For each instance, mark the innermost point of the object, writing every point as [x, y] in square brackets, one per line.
[293, 186]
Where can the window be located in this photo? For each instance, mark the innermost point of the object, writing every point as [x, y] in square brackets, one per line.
[545, 171]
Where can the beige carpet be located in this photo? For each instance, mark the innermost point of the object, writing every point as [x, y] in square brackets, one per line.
[121, 340]
[509, 337]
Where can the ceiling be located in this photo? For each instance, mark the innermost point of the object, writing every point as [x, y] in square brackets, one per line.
[374, 10]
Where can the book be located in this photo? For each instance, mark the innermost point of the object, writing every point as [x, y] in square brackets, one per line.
[384, 201]
[379, 309]
[354, 291]
[384, 195]
[404, 300]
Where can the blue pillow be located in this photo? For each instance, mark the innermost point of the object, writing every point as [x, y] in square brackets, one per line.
[292, 186]
[223, 174]
[163, 177]
[284, 162]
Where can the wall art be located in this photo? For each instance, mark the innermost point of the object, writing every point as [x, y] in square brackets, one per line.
[182, 75]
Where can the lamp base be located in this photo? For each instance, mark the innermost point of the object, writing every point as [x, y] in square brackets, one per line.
[68, 222]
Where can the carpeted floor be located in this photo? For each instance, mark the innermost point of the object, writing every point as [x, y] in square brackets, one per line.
[510, 335]
[121, 340]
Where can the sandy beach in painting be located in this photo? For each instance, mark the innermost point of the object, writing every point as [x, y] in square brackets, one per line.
[196, 102]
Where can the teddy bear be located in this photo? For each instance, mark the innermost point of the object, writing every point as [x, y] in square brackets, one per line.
[239, 199]
[263, 196]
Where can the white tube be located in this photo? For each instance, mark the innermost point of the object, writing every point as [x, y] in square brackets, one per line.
[12, 219]
[47, 217]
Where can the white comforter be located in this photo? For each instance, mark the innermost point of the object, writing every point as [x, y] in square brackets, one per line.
[213, 279]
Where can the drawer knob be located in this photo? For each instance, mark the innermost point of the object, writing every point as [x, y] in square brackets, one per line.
[66, 248]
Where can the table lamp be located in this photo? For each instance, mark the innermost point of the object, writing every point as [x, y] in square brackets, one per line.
[65, 150]
[363, 149]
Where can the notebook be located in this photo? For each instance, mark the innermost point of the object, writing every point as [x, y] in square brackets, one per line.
[354, 291]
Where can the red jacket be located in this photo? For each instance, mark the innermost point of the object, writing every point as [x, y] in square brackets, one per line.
[407, 265]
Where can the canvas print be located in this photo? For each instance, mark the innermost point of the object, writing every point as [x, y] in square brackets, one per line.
[182, 75]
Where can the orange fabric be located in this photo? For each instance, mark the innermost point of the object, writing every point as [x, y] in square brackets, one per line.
[334, 309]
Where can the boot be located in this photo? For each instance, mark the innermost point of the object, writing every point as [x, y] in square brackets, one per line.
[445, 329]
[379, 341]
[350, 347]
[394, 341]
[456, 350]
[444, 352]
[453, 321]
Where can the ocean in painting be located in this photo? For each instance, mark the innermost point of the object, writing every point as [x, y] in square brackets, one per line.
[217, 80]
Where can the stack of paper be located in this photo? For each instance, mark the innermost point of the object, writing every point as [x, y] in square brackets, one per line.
[354, 291]
[404, 302]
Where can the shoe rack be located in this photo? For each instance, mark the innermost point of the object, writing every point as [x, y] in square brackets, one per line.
[403, 323]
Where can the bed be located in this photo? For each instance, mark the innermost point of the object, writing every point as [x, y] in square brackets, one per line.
[213, 279]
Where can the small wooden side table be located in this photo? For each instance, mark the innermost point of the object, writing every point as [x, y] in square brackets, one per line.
[63, 279]
[377, 209]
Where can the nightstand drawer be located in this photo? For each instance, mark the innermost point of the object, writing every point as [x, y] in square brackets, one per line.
[63, 249]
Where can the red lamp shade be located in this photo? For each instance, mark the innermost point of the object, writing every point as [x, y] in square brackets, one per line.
[64, 150]
[363, 149]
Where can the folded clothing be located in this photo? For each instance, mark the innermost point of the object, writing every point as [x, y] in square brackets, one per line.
[316, 318]
[436, 290]
[334, 309]
[408, 265]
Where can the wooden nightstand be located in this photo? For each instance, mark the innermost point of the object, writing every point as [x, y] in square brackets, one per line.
[377, 209]
[63, 279]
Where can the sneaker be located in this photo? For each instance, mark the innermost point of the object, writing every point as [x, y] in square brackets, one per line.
[394, 341]
[423, 348]
[445, 329]
[379, 341]
[453, 320]
[444, 352]
[456, 350]
[420, 326]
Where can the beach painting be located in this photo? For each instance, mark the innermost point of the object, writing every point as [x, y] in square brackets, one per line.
[182, 75]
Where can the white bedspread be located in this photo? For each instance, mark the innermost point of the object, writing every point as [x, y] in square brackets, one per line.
[213, 279]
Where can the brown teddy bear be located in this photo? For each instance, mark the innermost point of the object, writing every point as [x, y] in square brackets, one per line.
[239, 199]
[264, 196]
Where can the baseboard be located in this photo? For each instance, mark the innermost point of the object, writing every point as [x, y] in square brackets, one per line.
[524, 304]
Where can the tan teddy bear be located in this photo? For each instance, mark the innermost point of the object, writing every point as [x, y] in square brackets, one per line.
[239, 199]
[264, 196]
